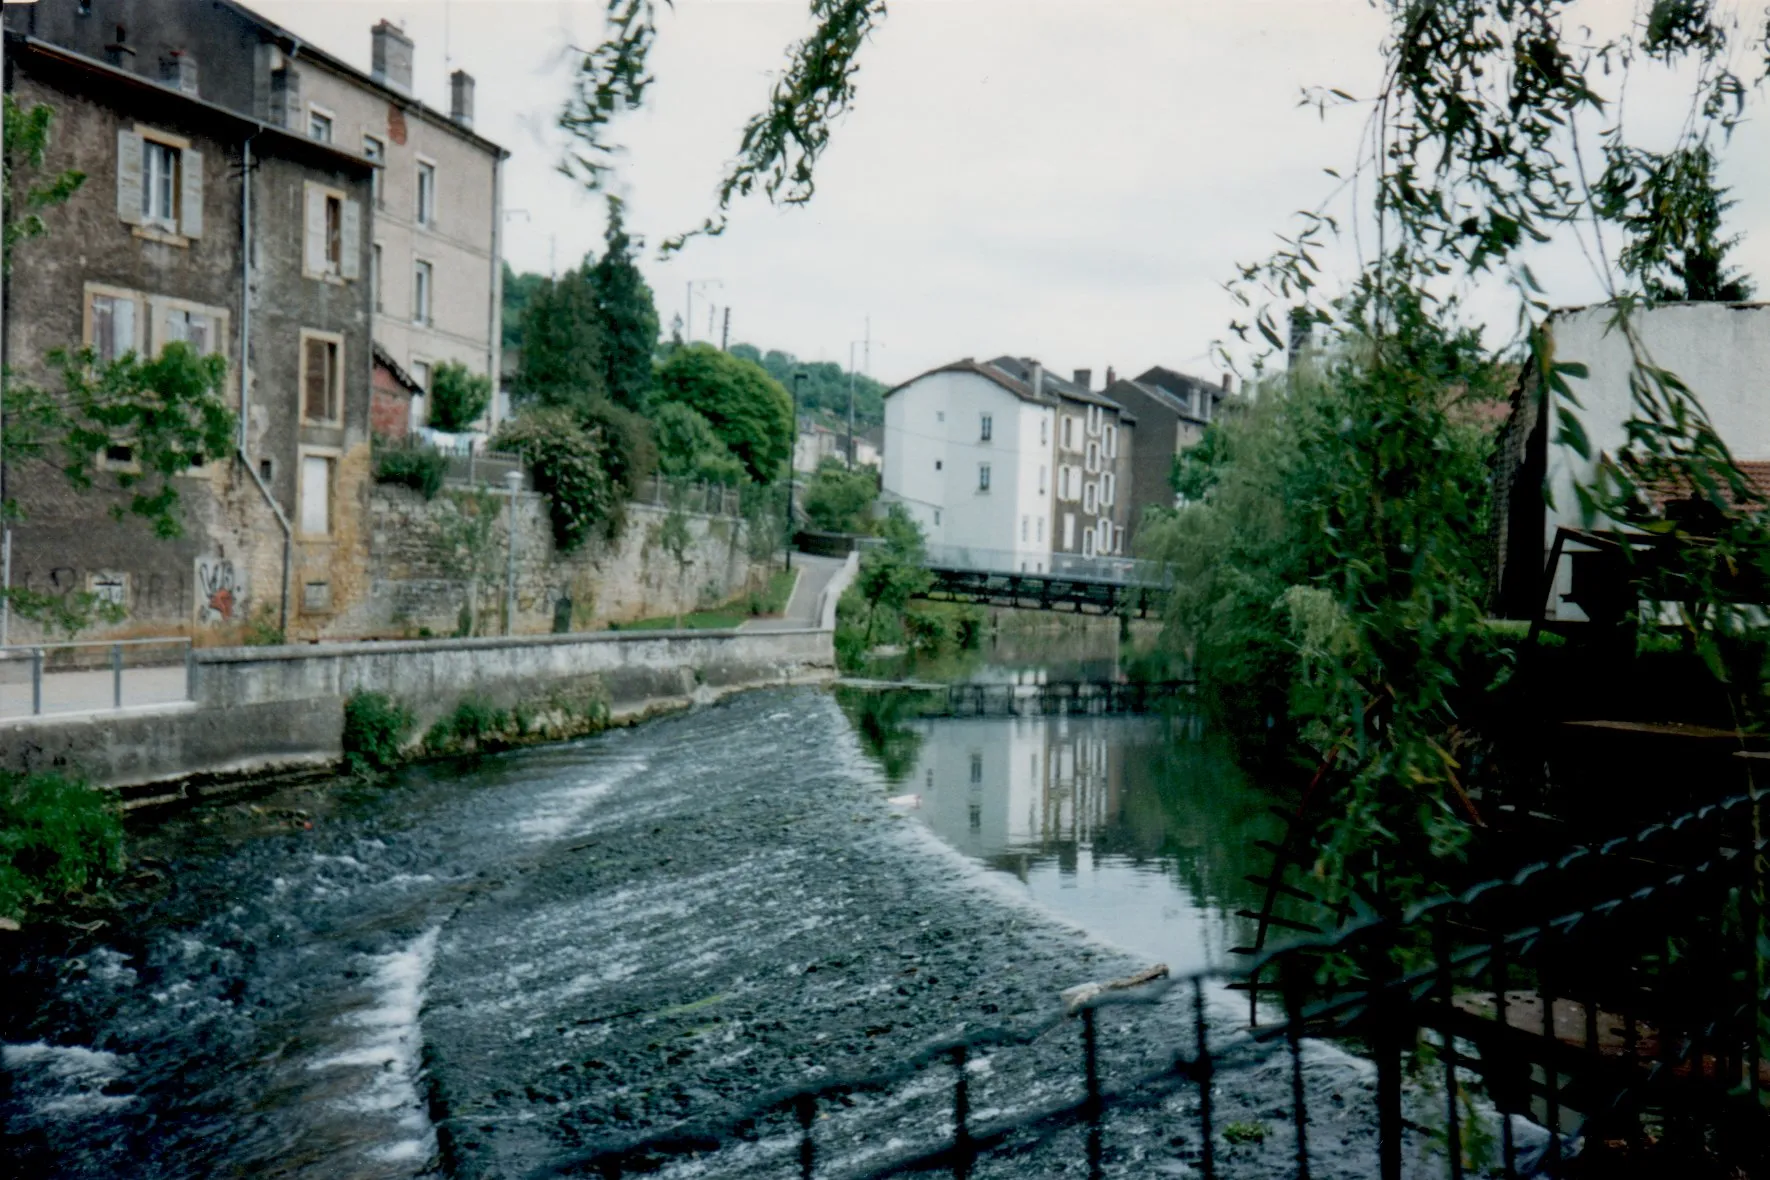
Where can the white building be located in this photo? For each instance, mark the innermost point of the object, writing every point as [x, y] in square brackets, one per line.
[968, 453]
[1720, 351]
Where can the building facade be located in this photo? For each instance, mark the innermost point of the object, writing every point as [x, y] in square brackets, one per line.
[968, 454]
[1091, 447]
[1172, 411]
[186, 229]
[434, 261]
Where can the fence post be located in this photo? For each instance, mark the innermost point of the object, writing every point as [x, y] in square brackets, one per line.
[1383, 1009]
[36, 680]
[190, 671]
[116, 675]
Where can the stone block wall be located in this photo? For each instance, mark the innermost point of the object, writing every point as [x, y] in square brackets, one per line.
[423, 557]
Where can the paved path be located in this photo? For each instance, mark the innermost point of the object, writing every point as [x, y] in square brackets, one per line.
[87, 691]
[814, 574]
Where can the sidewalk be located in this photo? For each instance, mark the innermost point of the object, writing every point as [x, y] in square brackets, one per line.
[88, 691]
[814, 574]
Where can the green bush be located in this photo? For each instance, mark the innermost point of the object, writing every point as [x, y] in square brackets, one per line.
[571, 468]
[262, 629]
[926, 631]
[689, 449]
[749, 411]
[419, 468]
[375, 730]
[58, 836]
[474, 725]
[458, 396]
[838, 500]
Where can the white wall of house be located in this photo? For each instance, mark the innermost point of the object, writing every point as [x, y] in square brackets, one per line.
[934, 453]
[1721, 352]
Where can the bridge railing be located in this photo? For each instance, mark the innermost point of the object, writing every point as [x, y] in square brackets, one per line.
[1123, 570]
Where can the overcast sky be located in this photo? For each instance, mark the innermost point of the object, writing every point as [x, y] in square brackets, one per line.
[1067, 179]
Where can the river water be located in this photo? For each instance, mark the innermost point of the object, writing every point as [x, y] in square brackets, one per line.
[484, 968]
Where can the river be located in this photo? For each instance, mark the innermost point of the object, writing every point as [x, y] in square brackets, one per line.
[483, 967]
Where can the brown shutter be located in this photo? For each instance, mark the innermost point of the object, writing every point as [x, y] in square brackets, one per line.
[318, 376]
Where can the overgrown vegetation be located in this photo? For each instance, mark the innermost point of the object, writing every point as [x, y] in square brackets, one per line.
[838, 500]
[748, 410]
[824, 393]
[475, 725]
[879, 608]
[420, 468]
[569, 468]
[376, 729]
[58, 838]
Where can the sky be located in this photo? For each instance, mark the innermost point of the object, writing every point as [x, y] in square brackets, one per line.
[1073, 180]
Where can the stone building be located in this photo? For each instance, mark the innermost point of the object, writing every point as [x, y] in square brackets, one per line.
[435, 262]
[1172, 412]
[166, 241]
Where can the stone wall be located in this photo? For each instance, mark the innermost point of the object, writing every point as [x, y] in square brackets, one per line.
[421, 568]
[261, 709]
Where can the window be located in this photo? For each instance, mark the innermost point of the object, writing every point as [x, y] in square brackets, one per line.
[1039, 535]
[1044, 430]
[1090, 498]
[1069, 530]
[1095, 416]
[316, 495]
[113, 326]
[194, 328]
[976, 768]
[421, 293]
[1092, 459]
[322, 377]
[983, 477]
[1109, 442]
[1087, 542]
[1025, 529]
[1108, 489]
[940, 415]
[1103, 537]
[376, 153]
[426, 211]
[319, 125]
[421, 374]
[937, 465]
[334, 234]
[988, 428]
[159, 187]
[937, 517]
[1041, 479]
[375, 274]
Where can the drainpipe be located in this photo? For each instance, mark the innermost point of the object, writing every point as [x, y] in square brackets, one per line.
[245, 366]
[494, 327]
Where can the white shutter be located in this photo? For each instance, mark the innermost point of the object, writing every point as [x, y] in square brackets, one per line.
[190, 210]
[129, 177]
[316, 493]
[314, 256]
[350, 265]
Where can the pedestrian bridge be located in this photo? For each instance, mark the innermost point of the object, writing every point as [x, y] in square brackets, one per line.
[1067, 582]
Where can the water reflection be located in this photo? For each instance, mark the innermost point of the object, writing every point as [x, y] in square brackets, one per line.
[1134, 828]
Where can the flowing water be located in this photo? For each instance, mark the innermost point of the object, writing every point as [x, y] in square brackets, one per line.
[482, 967]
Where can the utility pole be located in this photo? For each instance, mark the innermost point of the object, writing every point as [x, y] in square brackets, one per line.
[688, 313]
[725, 333]
[851, 345]
[793, 466]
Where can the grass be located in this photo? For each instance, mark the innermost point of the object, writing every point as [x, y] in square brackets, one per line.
[773, 598]
[58, 837]
[720, 619]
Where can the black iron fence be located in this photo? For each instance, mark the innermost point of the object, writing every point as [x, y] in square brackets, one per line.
[1601, 1014]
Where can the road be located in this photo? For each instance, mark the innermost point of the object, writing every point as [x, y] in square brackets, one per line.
[814, 574]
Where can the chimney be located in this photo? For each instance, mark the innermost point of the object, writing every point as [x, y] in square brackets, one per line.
[119, 52]
[391, 56]
[285, 98]
[1083, 377]
[1037, 380]
[179, 69]
[1302, 333]
[461, 98]
[1110, 379]
[1228, 384]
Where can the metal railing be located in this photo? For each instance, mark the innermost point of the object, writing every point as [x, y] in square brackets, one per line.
[706, 498]
[1036, 563]
[95, 675]
[1503, 1044]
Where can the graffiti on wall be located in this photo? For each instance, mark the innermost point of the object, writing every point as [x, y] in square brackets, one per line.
[221, 591]
[108, 586]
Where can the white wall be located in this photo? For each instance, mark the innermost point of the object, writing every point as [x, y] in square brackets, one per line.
[1722, 353]
[937, 420]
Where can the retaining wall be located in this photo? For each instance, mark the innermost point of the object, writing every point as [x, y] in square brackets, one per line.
[261, 709]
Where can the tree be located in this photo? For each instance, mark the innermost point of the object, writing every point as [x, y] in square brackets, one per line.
[689, 449]
[570, 468]
[893, 573]
[629, 318]
[519, 291]
[747, 408]
[458, 396]
[838, 500]
[824, 392]
[563, 342]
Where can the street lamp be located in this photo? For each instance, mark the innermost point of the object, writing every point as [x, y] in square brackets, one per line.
[793, 466]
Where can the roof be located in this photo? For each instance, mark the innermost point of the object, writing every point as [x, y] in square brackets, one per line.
[298, 48]
[989, 372]
[386, 361]
[1175, 381]
[131, 80]
[1021, 369]
[1672, 489]
[1165, 398]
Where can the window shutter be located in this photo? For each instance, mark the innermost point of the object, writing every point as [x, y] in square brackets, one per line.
[190, 210]
[314, 258]
[317, 365]
[350, 262]
[129, 177]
